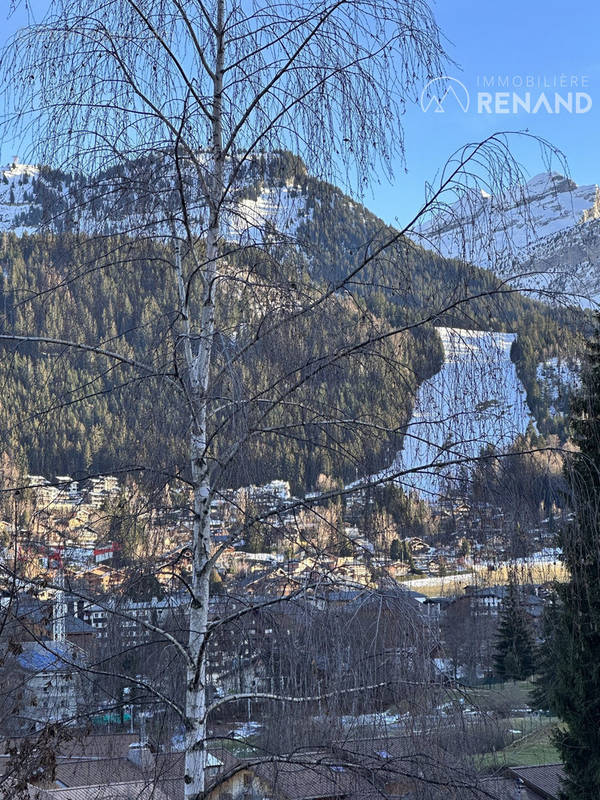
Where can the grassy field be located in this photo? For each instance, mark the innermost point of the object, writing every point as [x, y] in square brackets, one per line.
[501, 698]
[533, 748]
[532, 733]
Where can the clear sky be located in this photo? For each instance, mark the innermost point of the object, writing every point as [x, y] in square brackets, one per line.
[542, 39]
[514, 38]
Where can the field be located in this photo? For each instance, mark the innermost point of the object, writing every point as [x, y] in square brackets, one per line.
[531, 733]
[534, 748]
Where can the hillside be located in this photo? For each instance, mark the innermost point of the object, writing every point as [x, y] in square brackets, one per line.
[295, 238]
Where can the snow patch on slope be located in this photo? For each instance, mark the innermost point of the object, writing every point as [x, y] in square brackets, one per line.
[276, 210]
[15, 194]
[475, 401]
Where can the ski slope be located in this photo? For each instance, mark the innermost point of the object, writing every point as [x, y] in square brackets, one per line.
[475, 401]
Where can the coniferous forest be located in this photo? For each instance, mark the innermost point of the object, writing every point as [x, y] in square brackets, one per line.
[119, 289]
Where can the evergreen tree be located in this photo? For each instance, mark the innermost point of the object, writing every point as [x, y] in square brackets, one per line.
[255, 540]
[514, 659]
[542, 696]
[571, 681]
[345, 549]
[406, 555]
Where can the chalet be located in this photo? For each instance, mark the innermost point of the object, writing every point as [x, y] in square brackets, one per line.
[542, 782]
[30, 619]
[101, 578]
[52, 691]
[487, 601]
[293, 781]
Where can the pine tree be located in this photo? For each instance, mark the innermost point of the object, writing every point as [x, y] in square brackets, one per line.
[572, 685]
[514, 659]
[345, 548]
[395, 550]
[542, 696]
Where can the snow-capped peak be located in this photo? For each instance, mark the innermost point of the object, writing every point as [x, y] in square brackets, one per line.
[17, 170]
[545, 231]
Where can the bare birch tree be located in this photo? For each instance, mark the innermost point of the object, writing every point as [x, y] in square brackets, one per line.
[211, 86]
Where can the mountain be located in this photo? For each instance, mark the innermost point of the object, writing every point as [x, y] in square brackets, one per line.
[543, 235]
[16, 198]
[59, 279]
[268, 198]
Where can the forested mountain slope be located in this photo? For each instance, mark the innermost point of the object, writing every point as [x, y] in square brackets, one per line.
[77, 279]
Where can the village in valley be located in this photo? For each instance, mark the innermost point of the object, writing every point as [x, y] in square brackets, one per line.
[89, 595]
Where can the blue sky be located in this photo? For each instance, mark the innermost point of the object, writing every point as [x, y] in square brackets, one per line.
[543, 38]
[517, 38]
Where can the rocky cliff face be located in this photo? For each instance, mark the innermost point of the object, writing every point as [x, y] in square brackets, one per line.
[543, 235]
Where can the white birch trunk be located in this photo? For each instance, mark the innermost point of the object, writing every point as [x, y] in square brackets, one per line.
[198, 364]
